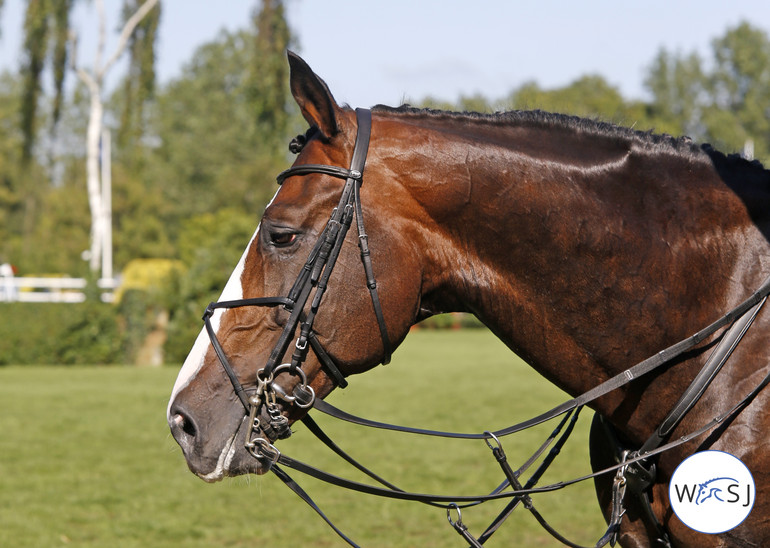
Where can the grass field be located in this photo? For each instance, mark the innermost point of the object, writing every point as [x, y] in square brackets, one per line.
[86, 458]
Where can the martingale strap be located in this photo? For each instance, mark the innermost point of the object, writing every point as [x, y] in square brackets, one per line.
[515, 494]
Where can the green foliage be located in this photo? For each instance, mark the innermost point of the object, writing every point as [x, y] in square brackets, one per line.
[43, 333]
[60, 233]
[151, 276]
[217, 157]
[91, 335]
[145, 294]
[724, 104]
[269, 76]
[210, 246]
[139, 83]
[589, 96]
[136, 312]
[46, 31]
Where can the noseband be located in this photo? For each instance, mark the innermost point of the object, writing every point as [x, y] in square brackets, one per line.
[312, 279]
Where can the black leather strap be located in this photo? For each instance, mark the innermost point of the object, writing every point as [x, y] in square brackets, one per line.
[704, 377]
[315, 273]
[642, 368]
[308, 169]
[497, 495]
[294, 486]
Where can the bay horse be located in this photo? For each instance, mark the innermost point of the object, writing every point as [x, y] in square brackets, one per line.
[585, 247]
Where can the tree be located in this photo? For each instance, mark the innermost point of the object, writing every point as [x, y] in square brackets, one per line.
[726, 105]
[269, 78]
[590, 96]
[139, 83]
[740, 88]
[210, 246]
[208, 154]
[94, 82]
[680, 96]
[47, 29]
[228, 153]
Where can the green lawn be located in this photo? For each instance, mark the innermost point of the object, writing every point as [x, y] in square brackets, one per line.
[86, 458]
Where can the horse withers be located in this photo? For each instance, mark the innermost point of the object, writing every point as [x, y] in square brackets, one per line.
[584, 246]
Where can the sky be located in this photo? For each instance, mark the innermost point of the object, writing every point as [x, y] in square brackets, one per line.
[397, 51]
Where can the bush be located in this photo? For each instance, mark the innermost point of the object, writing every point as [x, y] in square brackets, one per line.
[91, 336]
[210, 245]
[453, 320]
[146, 292]
[58, 333]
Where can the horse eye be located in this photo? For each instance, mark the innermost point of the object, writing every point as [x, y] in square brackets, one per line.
[282, 239]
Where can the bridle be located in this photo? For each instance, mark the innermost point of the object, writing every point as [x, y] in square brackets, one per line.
[261, 402]
[312, 280]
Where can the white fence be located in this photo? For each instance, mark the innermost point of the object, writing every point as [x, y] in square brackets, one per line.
[51, 290]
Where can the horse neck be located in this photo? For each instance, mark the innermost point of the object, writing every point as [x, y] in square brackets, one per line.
[577, 252]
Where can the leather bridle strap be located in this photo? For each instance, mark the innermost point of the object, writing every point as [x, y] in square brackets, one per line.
[301, 493]
[642, 368]
[315, 273]
[516, 494]
[350, 197]
[309, 169]
[444, 499]
[220, 352]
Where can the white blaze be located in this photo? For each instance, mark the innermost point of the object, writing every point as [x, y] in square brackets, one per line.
[232, 291]
[194, 361]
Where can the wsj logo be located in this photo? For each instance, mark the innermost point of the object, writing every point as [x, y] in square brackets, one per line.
[717, 489]
[712, 492]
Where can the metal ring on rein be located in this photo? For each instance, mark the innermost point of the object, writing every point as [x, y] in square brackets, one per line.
[267, 394]
[261, 449]
[303, 385]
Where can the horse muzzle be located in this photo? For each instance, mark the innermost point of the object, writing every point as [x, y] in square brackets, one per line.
[215, 453]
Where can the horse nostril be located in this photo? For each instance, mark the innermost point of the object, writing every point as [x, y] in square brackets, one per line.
[180, 422]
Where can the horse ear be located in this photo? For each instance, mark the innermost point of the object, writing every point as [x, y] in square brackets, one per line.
[313, 96]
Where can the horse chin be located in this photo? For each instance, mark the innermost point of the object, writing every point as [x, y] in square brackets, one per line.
[235, 461]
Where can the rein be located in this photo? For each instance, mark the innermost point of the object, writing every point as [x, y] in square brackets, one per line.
[268, 423]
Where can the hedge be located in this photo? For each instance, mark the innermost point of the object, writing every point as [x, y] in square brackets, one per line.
[46, 333]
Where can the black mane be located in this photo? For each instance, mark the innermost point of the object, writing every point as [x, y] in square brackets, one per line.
[684, 146]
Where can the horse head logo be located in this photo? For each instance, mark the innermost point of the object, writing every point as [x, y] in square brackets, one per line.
[713, 488]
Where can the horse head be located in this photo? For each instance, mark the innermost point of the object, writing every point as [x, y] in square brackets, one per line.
[713, 488]
[297, 257]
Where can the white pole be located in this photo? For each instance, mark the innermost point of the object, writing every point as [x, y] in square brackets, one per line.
[748, 149]
[106, 206]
